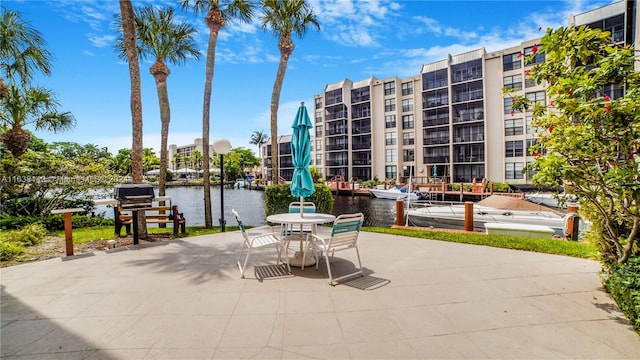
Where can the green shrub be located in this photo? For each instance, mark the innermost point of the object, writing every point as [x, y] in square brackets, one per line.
[51, 222]
[9, 250]
[29, 235]
[623, 283]
[278, 196]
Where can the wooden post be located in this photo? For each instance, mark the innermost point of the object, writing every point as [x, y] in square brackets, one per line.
[468, 216]
[399, 212]
[572, 223]
[491, 189]
[68, 235]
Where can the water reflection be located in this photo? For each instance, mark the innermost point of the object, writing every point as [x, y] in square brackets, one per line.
[250, 204]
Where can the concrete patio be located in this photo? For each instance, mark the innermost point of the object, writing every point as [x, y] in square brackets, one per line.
[184, 299]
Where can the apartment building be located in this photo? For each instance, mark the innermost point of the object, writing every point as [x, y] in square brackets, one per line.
[182, 156]
[451, 121]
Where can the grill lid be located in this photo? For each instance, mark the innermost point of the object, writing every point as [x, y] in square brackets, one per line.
[134, 192]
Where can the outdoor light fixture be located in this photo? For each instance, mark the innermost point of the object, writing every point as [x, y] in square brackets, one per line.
[221, 147]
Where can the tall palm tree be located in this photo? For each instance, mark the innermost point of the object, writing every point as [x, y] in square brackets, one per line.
[129, 35]
[31, 106]
[284, 18]
[22, 51]
[259, 138]
[161, 38]
[217, 14]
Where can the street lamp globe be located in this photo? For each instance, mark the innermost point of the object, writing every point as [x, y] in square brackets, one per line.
[221, 146]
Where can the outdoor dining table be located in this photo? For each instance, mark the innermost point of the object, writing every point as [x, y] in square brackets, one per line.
[288, 219]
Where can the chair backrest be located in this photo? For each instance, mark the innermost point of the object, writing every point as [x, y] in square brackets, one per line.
[307, 207]
[345, 231]
[240, 225]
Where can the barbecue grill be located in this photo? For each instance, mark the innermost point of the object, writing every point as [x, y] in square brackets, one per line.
[134, 197]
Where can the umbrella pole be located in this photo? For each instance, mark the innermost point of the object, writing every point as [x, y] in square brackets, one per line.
[301, 206]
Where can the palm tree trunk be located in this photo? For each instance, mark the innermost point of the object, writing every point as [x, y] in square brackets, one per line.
[165, 119]
[206, 182]
[275, 101]
[129, 34]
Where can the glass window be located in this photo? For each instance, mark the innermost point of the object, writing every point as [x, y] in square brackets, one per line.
[530, 128]
[407, 105]
[408, 155]
[407, 138]
[318, 159]
[390, 172]
[513, 127]
[537, 96]
[538, 58]
[389, 88]
[514, 171]
[390, 138]
[508, 101]
[407, 88]
[391, 155]
[318, 103]
[389, 121]
[389, 105]
[513, 82]
[513, 148]
[318, 145]
[407, 121]
[511, 62]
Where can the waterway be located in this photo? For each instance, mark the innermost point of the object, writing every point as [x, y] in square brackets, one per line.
[250, 205]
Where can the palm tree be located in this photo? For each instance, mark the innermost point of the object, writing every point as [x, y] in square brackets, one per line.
[22, 51]
[217, 14]
[259, 138]
[129, 35]
[161, 38]
[283, 18]
[31, 106]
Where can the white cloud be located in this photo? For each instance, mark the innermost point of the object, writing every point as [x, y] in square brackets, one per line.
[101, 40]
[88, 53]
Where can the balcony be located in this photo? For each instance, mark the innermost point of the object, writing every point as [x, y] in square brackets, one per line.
[361, 145]
[341, 162]
[333, 147]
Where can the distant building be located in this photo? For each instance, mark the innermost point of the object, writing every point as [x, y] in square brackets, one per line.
[448, 123]
[183, 156]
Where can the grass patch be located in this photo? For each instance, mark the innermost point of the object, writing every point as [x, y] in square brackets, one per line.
[88, 234]
[547, 246]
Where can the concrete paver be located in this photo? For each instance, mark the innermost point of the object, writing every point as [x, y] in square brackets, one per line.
[184, 299]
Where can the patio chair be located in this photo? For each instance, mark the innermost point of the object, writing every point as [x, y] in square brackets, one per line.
[256, 241]
[299, 232]
[344, 236]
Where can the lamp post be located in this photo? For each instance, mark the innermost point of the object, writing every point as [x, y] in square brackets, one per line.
[221, 147]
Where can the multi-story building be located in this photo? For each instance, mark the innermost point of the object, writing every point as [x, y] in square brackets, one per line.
[451, 122]
[182, 156]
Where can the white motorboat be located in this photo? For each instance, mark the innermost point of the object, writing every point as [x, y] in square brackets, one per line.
[551, 199]
[394, 194]
[494, 209]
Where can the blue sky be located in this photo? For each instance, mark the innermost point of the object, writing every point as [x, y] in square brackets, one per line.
[358, 39]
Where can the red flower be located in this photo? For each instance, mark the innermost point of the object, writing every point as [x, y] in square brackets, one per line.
[569, 91]
[606, 98]
[550, 128]
[537, 155]
[514, 100]
[512, 112]
[520, 54]
[527, 72]
[559, 91]
[534, 49]
[551, 103]
[607, 108]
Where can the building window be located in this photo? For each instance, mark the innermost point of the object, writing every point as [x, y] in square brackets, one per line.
[407, 88]
[390, 172]
[530, 129]
[513, 148]
[318, 159]
[407, 121]
[408, 155]
[508, 101]
[528, 83]
[511, 62]
[389, 121]
[318, 103]
[513, 127]
[389, 88]
[389, 105]
[407, 138]
[537, 97]
[391, 155]
[538, 58]
[513, 82]
[333, 97]
[513, 171]
[318, 145]
[390, 138]
[407, 105]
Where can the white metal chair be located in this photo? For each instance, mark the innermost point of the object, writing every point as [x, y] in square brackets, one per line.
[299, 232]
[344, 236]
[258, 241]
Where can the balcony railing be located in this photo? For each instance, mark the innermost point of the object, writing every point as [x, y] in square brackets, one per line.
[332, 147]
[360, 146]
[336, 163]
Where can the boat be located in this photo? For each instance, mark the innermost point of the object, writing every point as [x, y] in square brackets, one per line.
[394, 193]
[551, 200]
[240, 183]
[493, 209]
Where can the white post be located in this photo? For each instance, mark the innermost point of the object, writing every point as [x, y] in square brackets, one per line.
[408, 197]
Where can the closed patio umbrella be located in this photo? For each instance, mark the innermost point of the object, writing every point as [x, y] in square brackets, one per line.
[301, 182]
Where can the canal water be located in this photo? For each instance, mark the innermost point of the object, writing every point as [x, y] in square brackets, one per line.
[250, 205]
